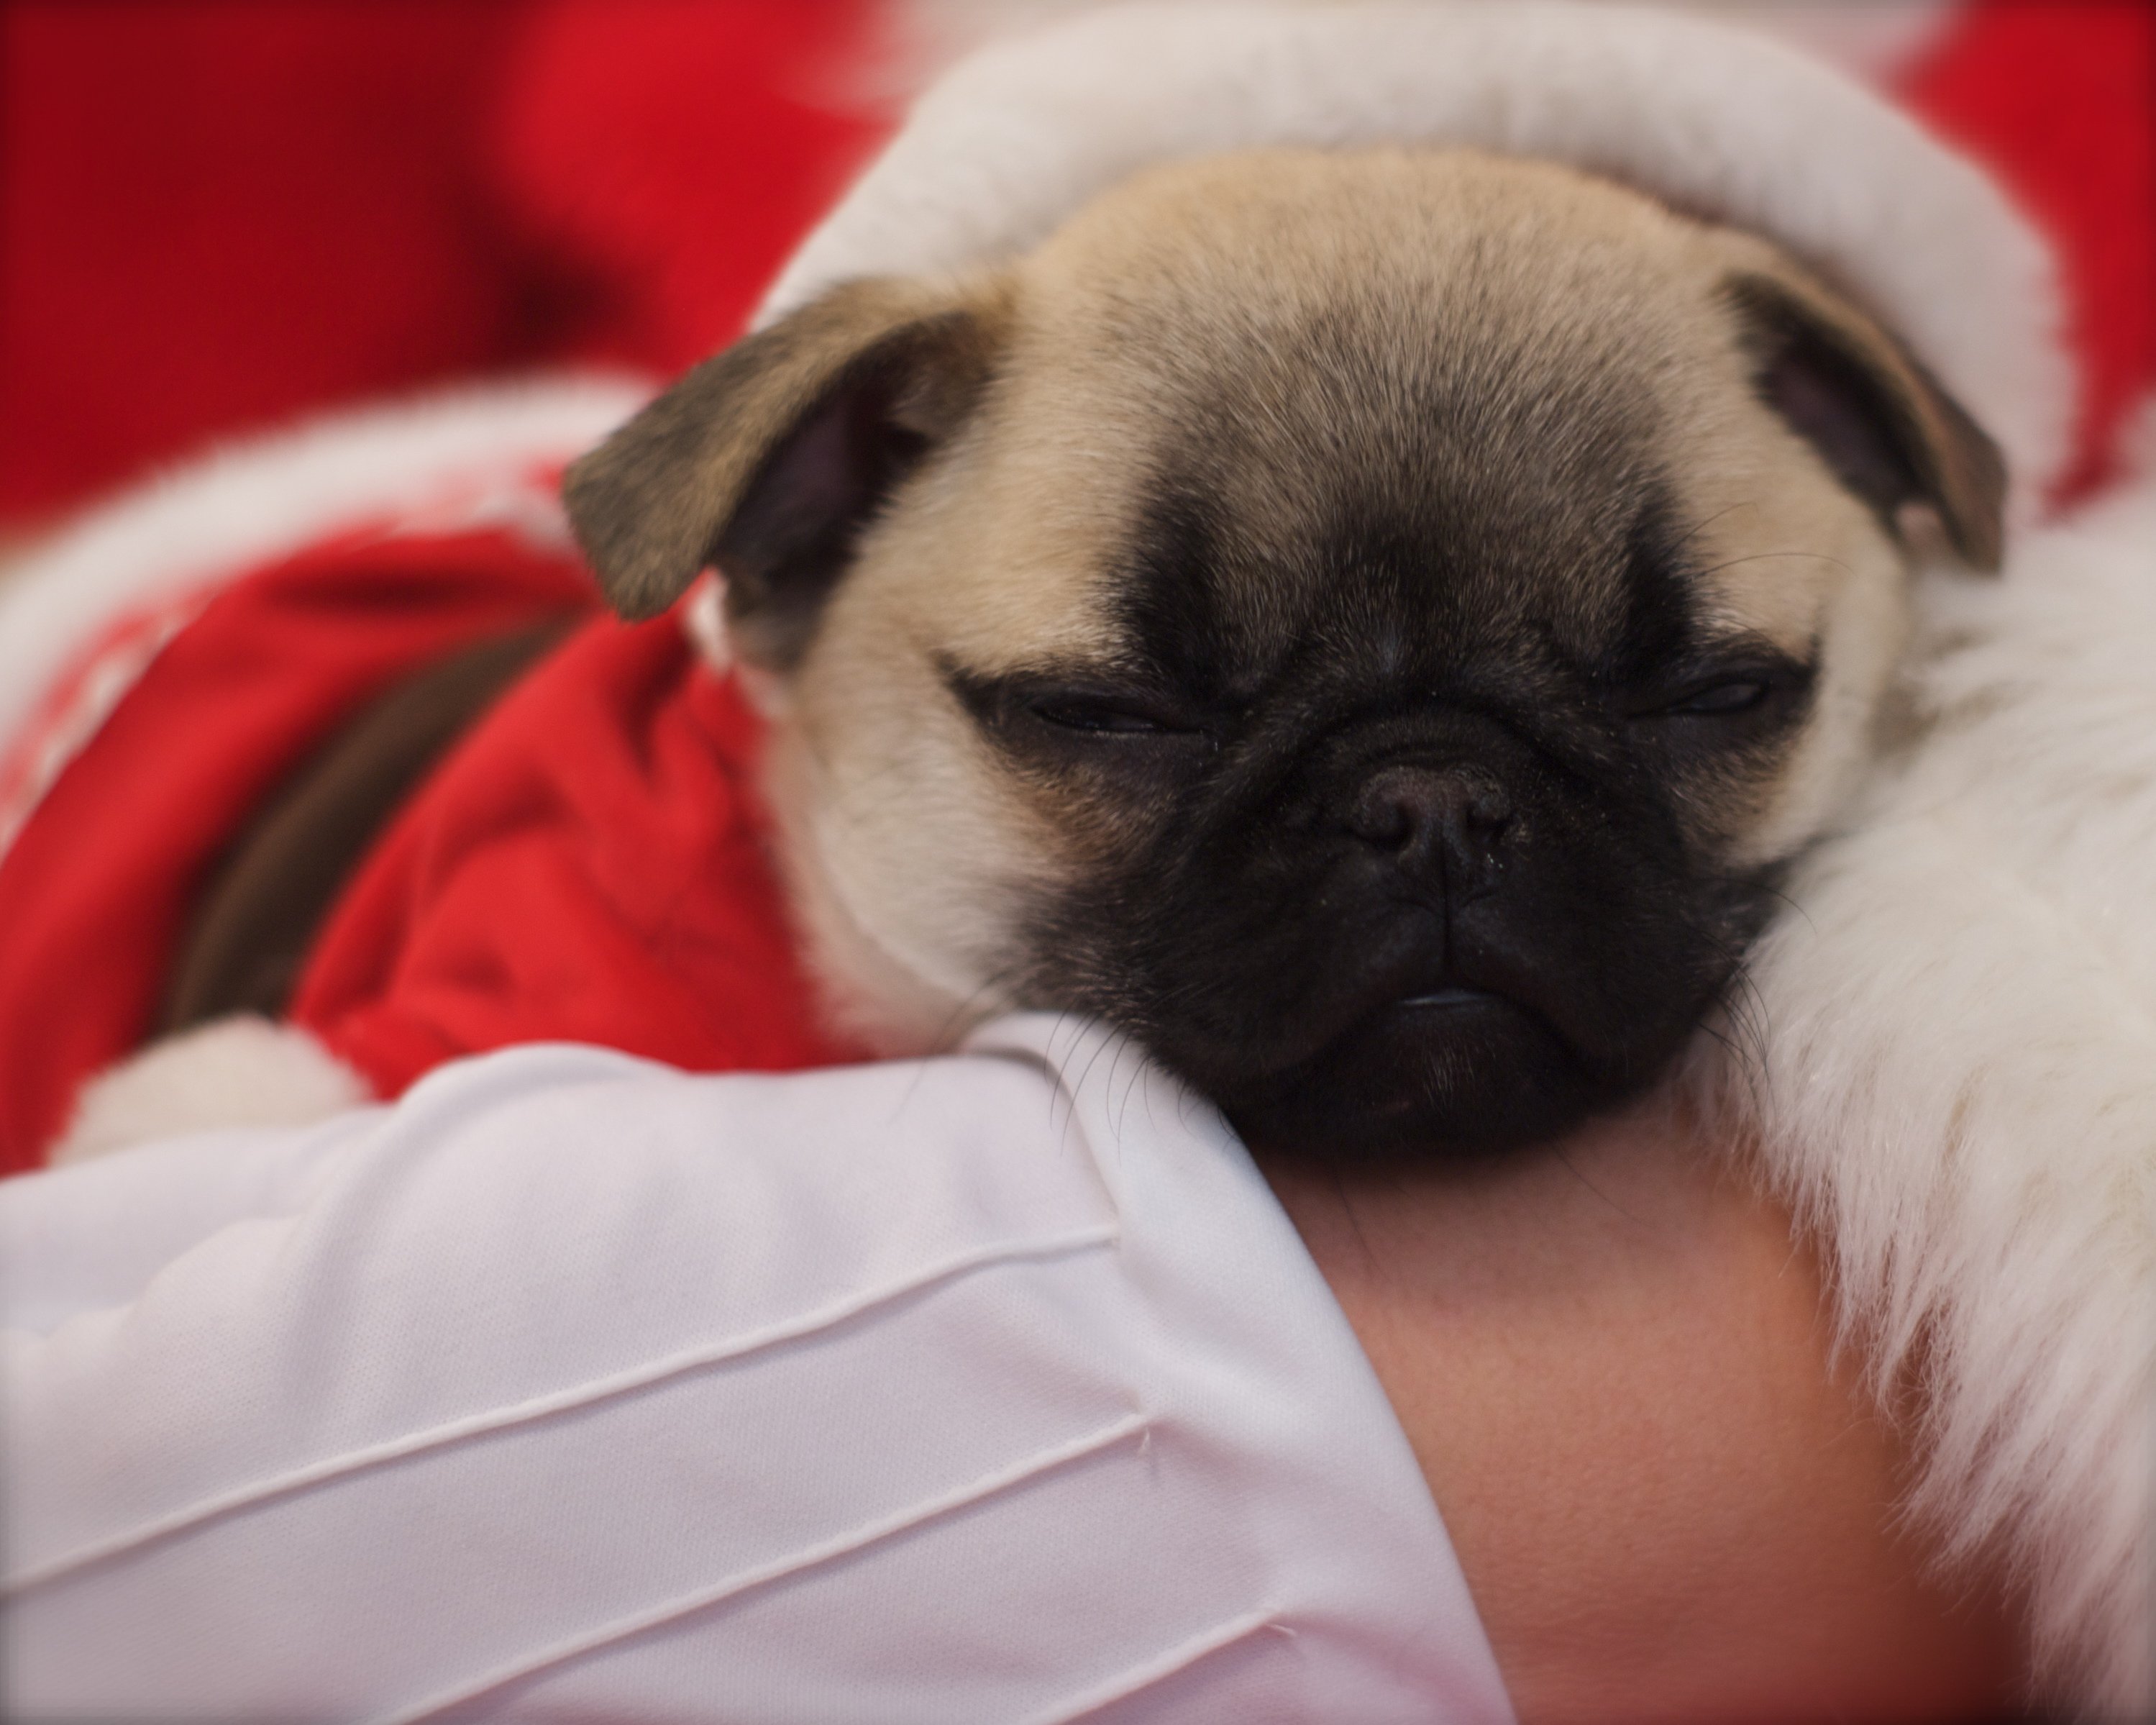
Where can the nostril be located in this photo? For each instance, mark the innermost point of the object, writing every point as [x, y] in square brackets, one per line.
[1395, 807]
[1487, 810]
[1454, 812]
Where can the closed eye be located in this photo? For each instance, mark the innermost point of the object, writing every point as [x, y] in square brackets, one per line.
[1086, 722]
[1722, 699]
[1106, 716]
[1738, 702]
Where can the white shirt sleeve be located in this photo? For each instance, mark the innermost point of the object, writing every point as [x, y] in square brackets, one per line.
[992, 1388]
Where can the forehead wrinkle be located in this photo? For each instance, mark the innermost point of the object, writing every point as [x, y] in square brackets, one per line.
[1449, 428]
[1232, 619]
[1440, 547]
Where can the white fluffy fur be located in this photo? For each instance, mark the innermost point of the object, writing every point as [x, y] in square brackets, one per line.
[242, 1071]
[1873, 37]
[214, 517]
[1959, 1084]
[1722, 121]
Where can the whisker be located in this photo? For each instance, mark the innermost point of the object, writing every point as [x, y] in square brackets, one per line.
[1687, 538]
[1765, 556]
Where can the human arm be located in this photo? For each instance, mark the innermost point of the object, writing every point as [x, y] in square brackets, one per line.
[1672, 1498]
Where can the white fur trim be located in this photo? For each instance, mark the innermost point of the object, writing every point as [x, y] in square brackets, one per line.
[1717, 121]
[1960, 1088]
[1874, 38]
[242, 1071]
[461, 459]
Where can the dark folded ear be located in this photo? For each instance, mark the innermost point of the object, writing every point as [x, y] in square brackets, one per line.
[1876, 417]
[768, 460]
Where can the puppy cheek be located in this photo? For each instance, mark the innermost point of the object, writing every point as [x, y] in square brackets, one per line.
[1863, 635]
[910, 869]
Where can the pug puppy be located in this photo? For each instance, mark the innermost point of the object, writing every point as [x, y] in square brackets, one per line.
[1373, 626]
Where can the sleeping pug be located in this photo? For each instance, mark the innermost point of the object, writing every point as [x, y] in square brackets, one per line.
[1372, 625]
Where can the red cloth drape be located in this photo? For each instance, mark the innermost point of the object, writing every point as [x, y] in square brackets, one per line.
[590, 866]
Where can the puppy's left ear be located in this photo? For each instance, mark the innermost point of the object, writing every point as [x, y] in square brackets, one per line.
[1872, 411]
[768, 460]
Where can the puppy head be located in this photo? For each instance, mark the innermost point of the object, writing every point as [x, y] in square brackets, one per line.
[1370, 624]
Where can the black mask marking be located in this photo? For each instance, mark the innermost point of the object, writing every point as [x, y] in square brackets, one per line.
[1406, 869]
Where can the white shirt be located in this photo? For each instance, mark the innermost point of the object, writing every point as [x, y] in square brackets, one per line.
[991, 1388]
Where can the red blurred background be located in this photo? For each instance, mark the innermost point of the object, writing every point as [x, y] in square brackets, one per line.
[215, 214]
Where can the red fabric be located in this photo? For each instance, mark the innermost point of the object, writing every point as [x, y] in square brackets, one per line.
[93, 891]
[675, 151]
[590, 866]
[2058, 99]
[215, 214]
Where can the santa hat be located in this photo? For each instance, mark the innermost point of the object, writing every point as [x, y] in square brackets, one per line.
[1719, 122]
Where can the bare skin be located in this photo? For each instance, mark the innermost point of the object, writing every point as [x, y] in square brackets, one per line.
[1670, 1501]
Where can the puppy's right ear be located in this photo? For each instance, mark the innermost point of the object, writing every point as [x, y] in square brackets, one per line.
[768, 460]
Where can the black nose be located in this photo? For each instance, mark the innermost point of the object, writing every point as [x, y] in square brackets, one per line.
[1441, 821]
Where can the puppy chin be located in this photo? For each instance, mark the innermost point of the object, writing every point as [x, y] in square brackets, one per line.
[1457, 1074]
